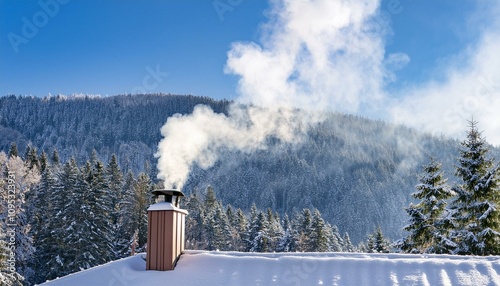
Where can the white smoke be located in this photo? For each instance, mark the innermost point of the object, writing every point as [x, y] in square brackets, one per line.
[330, 55]
[314, 55]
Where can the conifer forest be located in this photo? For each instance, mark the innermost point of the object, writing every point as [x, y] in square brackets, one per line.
[83, 169]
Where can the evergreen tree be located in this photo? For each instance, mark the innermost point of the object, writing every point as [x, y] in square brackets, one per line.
[127, 225]
[376, 243]
[217, 229]
[287, 242]
[210, 199]
[13, 150]
[55, 158]
[142, 199]
[65, 200]
[335, 241]
[275, 229]
[318, 241]
[348, 246]
[114, 180]
[81, 230]
[304, 229]
[195, 221]
[31, 158]
[99, 197]
[240, 227]
[381, 243]
[259, 234]
[477, 201]
[42, 220]
[44, 163]
[429, 232]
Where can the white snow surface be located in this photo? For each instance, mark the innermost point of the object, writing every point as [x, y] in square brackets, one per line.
[237, 268]
[162, 206]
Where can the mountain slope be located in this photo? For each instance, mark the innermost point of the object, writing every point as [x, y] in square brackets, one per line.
[359, 173]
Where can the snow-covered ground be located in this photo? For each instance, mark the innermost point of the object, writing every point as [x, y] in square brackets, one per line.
[236, 268]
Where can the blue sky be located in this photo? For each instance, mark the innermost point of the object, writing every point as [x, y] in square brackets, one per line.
[106, 47]
[426, 54]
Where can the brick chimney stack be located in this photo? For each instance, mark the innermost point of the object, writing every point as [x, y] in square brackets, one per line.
[166, 227]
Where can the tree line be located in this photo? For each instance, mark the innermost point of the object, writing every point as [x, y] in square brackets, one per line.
[70, 217]
[211, 226]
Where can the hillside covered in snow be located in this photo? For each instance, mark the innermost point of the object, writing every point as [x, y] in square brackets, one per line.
[236, 268]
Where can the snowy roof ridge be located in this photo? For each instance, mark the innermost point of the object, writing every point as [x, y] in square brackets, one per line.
[243, 268]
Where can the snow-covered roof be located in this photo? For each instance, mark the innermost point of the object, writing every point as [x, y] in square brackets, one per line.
[237, 268]
[162, 206]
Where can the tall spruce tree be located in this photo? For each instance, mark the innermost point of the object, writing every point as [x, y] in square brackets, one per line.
[259, 234]
[287, 242]
[127, 224]
[303, 225]
[114, 180]
[318, 240]
[476, 206]
[42, 219]
[428, 228]
[195, 222]
[142, 188]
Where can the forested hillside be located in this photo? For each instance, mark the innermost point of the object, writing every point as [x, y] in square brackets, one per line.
[358, 173]
[128, 126]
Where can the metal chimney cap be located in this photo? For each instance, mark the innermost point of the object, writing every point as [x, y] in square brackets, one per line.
[168, 192]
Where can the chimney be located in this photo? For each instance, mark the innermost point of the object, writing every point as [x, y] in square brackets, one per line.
[166, 223]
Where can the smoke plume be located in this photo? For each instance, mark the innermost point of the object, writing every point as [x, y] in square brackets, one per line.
[317, 55]
[313, 55]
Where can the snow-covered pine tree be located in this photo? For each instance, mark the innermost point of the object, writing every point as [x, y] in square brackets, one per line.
[42, 219]
[348, 246]
[287, 242]
[476, 205]
[381, 243]
[428, 231]
[335, 241]
[194, 222]
[218, 229]
[318, 238]
[99, 197]
[303, 226]
[376, 243]
[240, 226]
[234, 225]
[65, 200]
[259, 236]
[250, 234]
[78, 225]
[275, 229]
[126, 224]
[142, 188]
[13, 152]
[114, 180]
